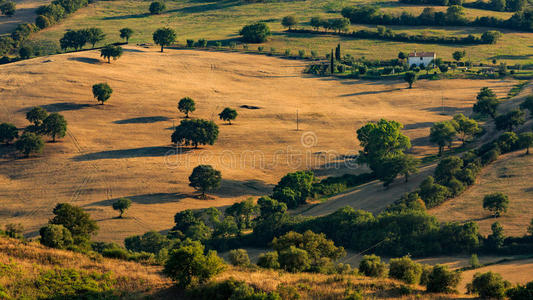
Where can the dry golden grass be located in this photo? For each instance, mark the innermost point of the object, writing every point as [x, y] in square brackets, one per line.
[510, 175]
[122, 149]
[25, 13]
[32, 258]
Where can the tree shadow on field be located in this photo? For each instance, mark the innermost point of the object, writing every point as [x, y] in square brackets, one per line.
[370, 92]
[143, 120]
[418, 125]
[132, 153]
[132, 16]
[157, 198]
[205, 7]
[59, 107]
[421, 141]
[93, 61]
[234, 188]
[446, 109]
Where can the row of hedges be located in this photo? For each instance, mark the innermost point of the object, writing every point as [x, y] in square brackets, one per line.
[454, 16]
[508, 5]
[489, 37]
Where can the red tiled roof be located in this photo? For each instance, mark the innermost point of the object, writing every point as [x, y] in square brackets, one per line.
[422, 54]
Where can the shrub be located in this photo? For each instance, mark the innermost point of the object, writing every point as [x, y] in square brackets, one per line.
[190, 43]
[8, 132]
[496, 203]
[157, 7]
[268, 260]
[372, 266]
[521, 292]
[294, 259]
[29, 143]
[294, 188]
[442, 280]
[507, 142]
[488, 285]
[59, 283]
[230, 289]
[117, 253]
[405, 269]
[255, 33]
[187, 265]
[239, 257]
[55, 236]
[151, 241]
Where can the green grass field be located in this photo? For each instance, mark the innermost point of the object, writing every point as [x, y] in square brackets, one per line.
[222, 21]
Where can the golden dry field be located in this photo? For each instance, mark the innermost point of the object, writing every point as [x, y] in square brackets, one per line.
[123, 149]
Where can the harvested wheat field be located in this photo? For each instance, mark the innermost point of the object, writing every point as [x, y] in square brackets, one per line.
[123, 149]
[25, 14]
[509, 175]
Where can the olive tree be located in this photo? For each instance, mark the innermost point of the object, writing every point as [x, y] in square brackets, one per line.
[228, 114]
[8, 132]
[36, 115]
[29, 143]
[122, 205]
[410, 78]
[487, 103]
[164, 37]
[442, 280]
[465, 127]
[289, 21]
[442, 134]
[54, 126]
[94, 35]
[204, 178]
[488, 285]
[255, 33]
[76, 220]
[157, 7]
[102, 92]
[525, 140]
[111, 51]
[510, 120]
[497, 203]
[186, 106]
[195, 132]
[126, 33]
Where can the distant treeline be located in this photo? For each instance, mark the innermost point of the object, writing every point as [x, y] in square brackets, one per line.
[495, 5]
[47, 15]
[382, 33]
[454, 16]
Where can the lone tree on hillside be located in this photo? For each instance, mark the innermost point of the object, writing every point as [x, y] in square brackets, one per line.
[29, 143]
[525, 140]
[228, 114]
[496, 203]
[126, 33]
[195, 132]
[487, 103]
[164, 37]
[410, 78]
[102, 92]
[54, 126]
[186, 106]
[204, 178]
[458, 55]
[8, 8]
[122, 205]
[94, 35]
[442, 134]
[510, 120]
[111, 51]
[8, 132]
[36, 115]
[255, 33]
[157, 7]
[465, 127]
[289, 21]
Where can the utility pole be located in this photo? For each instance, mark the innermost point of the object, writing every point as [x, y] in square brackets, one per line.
[297, 121]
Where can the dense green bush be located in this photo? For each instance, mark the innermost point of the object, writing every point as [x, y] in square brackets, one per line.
[488, 285]
[442, 280]
[62, 283]
[371, 265]
[294, 259]
[230, 289]
[268, 260]
[405, 269]
[521, 292]
[255, 33]
[55, 236]
[239, 257]
[294, 188]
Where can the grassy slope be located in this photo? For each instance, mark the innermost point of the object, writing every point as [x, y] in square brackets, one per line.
[22, 263]
[121, 149]
[222, 21]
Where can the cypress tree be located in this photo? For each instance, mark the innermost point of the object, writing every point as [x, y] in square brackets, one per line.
[332, 63]
[338, 52]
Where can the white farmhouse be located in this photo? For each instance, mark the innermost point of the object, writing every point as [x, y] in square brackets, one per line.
[421, 58]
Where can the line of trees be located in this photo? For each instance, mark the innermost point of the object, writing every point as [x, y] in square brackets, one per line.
[495, 5]
[454, 16]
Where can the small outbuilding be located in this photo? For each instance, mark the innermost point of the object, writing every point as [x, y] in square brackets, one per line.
[421, 58]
